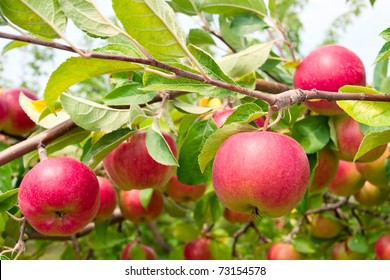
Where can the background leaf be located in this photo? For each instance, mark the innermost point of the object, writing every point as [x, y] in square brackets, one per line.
[8, 199]
[128, 93]
[234, 7]
[145, 196]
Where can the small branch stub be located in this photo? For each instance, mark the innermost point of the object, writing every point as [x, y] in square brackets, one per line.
[42, 153]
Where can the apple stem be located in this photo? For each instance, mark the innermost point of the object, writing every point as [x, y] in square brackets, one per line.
[268, 118]
[76, 246]
[42, 153]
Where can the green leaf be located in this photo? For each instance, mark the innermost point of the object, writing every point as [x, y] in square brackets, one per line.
[383, 53]
[216, 139]
[247, 24]
[380, 73]
[104, 146]
[8, 199]
[136, 116]
[229, 36]
[88, 18]
[209, 65]
[185, 232]
[200, 37]
[13, 45]
[153, 24]
[174, 209]
[137, 253]
[78, 69]
[216, 208]
[245, 61]
[190, 108]
[385, 34]
[189, 171]
[303, 245]
[371, 113]
[220, 251]
[358, 244]
[101, 230]
[93, 116]
[187, 7]
[73, 137]
[43, 18]
[371, 141]
[313, 133]
[157, 146]
[145, 197]
[234, 7]
[245, 114]
[126, 94]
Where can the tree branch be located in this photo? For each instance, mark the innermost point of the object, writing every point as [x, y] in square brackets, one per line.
[159, 238]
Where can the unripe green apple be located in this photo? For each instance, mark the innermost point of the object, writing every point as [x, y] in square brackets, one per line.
[108, 199]
[263, 173]
[341, 251]
[180, 192]
[198, 249]
[283, 251]
[347, 181]
[371, 195]
[59, 196]
[375, 171]
[17, 122]
[131, 167]
[325, 170]
[236, 217]
[133, 210]
[382, 247]
[329, 68]
[349, 136]
[324, 227]
[149, 252]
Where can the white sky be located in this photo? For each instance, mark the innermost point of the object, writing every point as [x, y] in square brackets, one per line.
[361, 37]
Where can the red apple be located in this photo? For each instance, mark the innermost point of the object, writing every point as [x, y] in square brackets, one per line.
[149, 252]
[3, 113]
[347, 180]
[341, 251]
[236, 217]
[180, 192]
[382, 247]
[133, 210]
[221, 116]
[131, 167]
[375, 171]
[329, 68]
[17, 122]
[260, 172]
[59, 196]
[325, 170]
[108, 199]
[324, 227]
[283, 251]
[198, 249]
[349, 136]
[371, 195]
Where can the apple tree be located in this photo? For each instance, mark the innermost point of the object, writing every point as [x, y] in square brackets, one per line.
[218, 141]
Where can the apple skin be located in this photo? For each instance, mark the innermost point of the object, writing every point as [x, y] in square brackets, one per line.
[108, 199]
[260, 172]
[59, 196]
[3, 113]
[236, 217]
[131, 167]
[17, 122]
[198, 249]
[282, 251]
[180, 192]
[347, 181]
[150, 254]
[349, 136]
[325, 171]
[382, 247]
[329, 68]
[375, 171]
[324, 227]
[371, 195]
[340, 251]
[133, 210]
